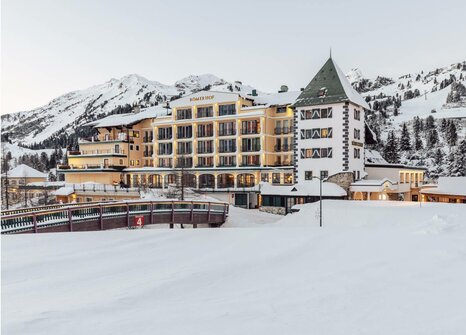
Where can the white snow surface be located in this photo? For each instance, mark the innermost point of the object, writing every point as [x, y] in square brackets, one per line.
[374, 268]
[25, 171]
[448, 185]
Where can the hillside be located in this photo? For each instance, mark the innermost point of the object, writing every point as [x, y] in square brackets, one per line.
[388, 268]
[65, 115]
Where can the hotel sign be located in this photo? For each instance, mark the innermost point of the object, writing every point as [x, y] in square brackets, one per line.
[357, 144]
[206, 97]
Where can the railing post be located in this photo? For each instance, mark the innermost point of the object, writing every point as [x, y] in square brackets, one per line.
[151, 212]
[101, 219]
[224, 213]
[127, 215]
[173, 216]
[191, 215]
[34, 220]
[208, 214]
[70, 219]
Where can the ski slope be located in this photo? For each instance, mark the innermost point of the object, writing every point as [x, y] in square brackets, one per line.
[374, 268]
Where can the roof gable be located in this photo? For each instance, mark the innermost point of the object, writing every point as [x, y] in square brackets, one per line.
[329, 85]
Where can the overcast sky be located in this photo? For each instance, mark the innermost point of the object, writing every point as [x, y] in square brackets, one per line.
[53, 47]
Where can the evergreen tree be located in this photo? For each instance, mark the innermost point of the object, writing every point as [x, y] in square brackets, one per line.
[451, 134]
[417, 141]
[459, 165]
[416, 124]
[430, 123]
[432, 138]
[391, 153]
[405, 140]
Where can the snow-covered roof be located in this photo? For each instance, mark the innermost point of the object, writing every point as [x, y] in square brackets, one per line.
[47, 183]
[66, 190]
[351, 93]
[129, 118]
[373, 182]
[276, 99]
[305, 188]
[448, 186]
[25, 171]
[373, 156]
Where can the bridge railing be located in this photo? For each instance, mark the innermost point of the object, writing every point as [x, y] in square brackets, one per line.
[40, 218]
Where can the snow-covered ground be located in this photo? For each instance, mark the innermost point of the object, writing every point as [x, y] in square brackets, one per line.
[374, 268]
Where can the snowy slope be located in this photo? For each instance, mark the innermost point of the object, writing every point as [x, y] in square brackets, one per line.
[73, 109]
[388, 268]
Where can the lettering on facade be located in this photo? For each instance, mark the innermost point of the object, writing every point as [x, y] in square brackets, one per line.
[357, 144]
[206, 97]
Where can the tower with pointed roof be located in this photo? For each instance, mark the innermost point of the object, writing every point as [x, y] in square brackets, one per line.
[329, 119]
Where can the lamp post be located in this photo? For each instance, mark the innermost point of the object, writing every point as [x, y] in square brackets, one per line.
[320, 195]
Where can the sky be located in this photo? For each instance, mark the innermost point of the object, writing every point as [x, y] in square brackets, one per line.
[51, 47]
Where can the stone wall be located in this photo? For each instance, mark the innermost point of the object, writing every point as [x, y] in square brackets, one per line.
[273, 210]
[342, 179]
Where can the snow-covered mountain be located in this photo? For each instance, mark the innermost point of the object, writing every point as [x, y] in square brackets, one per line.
[439, 93]
[63, 115]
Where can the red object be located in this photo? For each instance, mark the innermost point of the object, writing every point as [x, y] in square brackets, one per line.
[138, 221]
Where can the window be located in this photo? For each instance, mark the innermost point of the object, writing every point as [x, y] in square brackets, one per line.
[165, 148]
[323, 174]
[317, 153]
[226, 110]
[288, 178]
[357, 134]
[307, 175]
[165, 133]
[250, 127]
[227, 161]
[357, 153]
[227, 145]
[275, 178]
[184, 132]
[205, 130]
[316, 113]
[121, 162]
[357, 114]
[131, 147]
[184, 148]
[205, 162]
[165, 162]
[281, 109]
[251, 144]
[184, 114]
[250, 160]
[205, 112]
[226, 129]
[265, 177]
[137, 147]
[316, 133]
[134, 133]
[204, 147]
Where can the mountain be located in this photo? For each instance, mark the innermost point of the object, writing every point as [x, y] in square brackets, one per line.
[410, 100]
[64, 116]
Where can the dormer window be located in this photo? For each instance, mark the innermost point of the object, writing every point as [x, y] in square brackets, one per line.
[322, 92]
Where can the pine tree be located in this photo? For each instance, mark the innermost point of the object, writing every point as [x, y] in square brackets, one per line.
[417, 141]
[430, 123]
[451, 134]
[405, 140]
[416, 124]
[432, 138]
[391, 153]
[459, 165]
[444, 126]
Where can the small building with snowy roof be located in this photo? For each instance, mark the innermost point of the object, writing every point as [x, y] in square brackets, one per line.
[280, 199]
[448, 189]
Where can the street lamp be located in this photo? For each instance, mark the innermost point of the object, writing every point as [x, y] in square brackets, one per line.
[320, 211]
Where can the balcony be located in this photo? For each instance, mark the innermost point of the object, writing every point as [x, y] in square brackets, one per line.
[147, 139]
[227, 132]
[233, 164]
[248, 164]
[279, 163]
[205, 151]
[205, 134]
[282, 130]
[122, 138]
[184, 152]
[89, 167]
[97, 152]
[164, 137]
[254, 148]
[282, 148]
[205, 165]
[227, 149]
[250, 131]
[164, 153]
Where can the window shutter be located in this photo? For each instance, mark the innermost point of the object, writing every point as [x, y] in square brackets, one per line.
[302, 114]
[329, 153]
[330, 132]
[302, 154]
[315, 153]
[302, 134]
[329, 115]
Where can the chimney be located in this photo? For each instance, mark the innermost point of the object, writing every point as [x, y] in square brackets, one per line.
[283, 88]
[254, 93]
[302, 89]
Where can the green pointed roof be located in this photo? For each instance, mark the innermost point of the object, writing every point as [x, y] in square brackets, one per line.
[329, 85]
